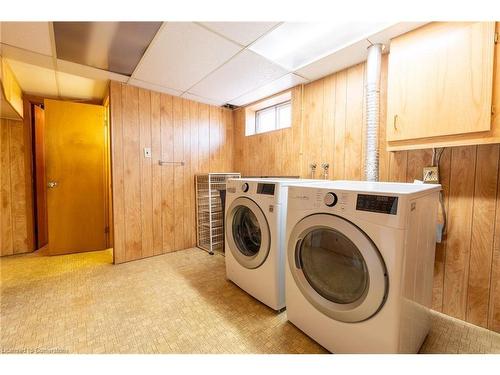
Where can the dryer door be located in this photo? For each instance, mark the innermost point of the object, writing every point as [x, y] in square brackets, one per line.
[247, 233]
[337, 268]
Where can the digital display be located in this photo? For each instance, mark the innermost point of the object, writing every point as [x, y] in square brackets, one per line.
[377, 203]
[267, 189]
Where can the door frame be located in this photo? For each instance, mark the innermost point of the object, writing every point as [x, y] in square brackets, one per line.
[28, 122]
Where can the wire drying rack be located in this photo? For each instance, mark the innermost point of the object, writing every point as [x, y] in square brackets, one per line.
[209, 210]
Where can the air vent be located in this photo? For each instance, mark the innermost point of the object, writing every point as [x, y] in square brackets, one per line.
[229, 106]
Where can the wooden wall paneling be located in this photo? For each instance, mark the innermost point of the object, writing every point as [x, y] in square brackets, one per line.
[291, 147]
[494, 297]
[397, 166]
[146, 175]
[156, 172]
[483, 231]
[132, 175]
[312, 136]
[178, 181]
[460, 210]
[416, 161]
[328, 130]
[338, 168]
[204, 137]
[117, 172]
[239, 139]
[6, 188]
[186, 185]
[229, 142]
[167, 182]
[354, 123]
[18, 189]
[440, 256]
[214, 142]
[193, 119]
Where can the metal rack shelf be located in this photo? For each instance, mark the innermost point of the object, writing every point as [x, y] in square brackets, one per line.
[209, 213]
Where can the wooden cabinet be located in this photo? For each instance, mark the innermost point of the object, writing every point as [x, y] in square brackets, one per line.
[440, 86]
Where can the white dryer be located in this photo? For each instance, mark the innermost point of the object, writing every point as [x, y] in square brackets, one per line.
[360, 261]
[255, 228]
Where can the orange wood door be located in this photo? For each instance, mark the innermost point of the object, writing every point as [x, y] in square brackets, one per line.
[42, 235]
[75, 162]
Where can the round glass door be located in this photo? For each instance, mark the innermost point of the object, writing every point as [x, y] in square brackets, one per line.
[323, 250]
[337, 268]
[247, 233]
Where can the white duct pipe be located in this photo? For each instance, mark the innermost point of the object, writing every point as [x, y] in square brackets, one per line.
[372, 110]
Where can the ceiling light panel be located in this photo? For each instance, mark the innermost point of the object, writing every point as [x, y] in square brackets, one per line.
[245, 72]
[114, 46]
[31, 36]
[243, 33]
[34, 79]
[294, 44]
[75, 87]
[344, 58]
[281, 84]
[182, 54]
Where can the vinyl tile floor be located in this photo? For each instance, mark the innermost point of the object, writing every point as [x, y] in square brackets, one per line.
[174, 303]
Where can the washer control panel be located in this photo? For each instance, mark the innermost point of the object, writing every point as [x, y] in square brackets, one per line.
[377, 203]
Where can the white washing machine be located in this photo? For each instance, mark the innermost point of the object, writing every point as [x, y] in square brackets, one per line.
[360, 261]
[255, 229]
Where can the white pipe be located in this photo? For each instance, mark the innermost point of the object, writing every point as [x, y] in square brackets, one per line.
[372, 110]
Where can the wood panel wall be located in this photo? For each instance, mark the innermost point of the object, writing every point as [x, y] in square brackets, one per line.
[16, 233]
[328, 125]
[153, 205]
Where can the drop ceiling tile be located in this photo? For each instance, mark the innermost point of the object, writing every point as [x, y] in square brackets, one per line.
[200, 99]
[28, 57]
[113, 46]
[75, 87]
[88, 71]
[281, 84]
[245, 72]
[153, 87]
[339, 60]
[32, 36]
[182, 54]
[34, 79]
[296, 44]
[243, 33]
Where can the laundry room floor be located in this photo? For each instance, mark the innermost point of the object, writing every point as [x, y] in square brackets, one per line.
[174, 303]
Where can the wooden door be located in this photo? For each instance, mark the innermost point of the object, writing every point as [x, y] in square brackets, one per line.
[75, 160]
[42, 235]
[440, 80]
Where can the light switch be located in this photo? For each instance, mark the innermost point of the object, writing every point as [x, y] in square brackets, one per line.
[147, 152]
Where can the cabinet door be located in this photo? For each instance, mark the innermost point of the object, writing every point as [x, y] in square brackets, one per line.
[440, 80]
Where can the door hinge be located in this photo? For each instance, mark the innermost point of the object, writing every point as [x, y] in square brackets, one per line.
[496, 38]
[106, 230]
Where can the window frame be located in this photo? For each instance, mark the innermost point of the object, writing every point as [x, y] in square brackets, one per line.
[274, 102]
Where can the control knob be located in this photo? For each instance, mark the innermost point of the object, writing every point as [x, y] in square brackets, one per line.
[330, 199]
[244, 187]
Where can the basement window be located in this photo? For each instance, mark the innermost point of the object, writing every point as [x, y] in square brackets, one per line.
[271, 114]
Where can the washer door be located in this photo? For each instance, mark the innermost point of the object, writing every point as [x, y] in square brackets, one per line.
[247, 233]
[337, 268]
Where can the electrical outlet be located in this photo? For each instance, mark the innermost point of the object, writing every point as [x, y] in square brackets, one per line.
[431, 175]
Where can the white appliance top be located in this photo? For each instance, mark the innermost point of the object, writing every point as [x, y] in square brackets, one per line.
[279, 180]
[377, 187]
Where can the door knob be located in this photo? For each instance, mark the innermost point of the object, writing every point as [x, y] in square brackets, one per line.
[52, 184]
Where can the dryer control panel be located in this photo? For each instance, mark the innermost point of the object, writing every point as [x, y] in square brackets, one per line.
[377, 203]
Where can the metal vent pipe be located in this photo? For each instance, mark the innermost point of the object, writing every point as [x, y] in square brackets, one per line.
[372, 110]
